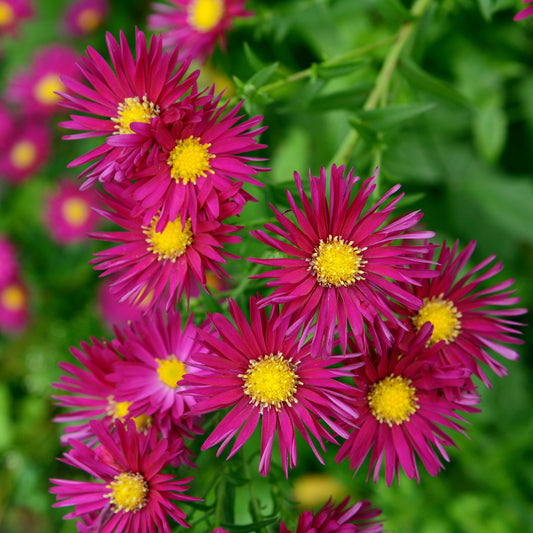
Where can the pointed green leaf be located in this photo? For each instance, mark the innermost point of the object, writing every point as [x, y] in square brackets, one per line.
[393, 116]
[490, 130]
[252, 58]
[339, 68]
[263, 75]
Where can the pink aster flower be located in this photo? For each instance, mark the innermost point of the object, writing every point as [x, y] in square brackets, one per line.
[14, 312]
[114, 312]
[69, 214]
[7, 126]
[341, 266]
[201, 161]
[157, 352]
[83, 17]
[525, 12]
[8, 261]
[35, 90]
[404, 408]
[164, 262]
[195, 26]
[471, 320]
[338, 519]
[26, 152]
[115, 100]
[258, 369]
[130, 492]
[12, 13]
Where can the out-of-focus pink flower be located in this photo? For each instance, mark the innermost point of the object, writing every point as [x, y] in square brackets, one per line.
[12, 13]
[83, 17]
[14, 314]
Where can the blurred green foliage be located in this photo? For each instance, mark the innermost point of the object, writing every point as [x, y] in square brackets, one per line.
[454, 127]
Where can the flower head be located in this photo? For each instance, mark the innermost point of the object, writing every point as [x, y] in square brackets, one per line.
[472, 321]
[115, 312]
[165, 261]
[14, 312]
[83, 17]
[69, 214]
[404, 408]
[340, 265]
[258, 369]
[12, 13]
[340, 518]
[8, 261]
[195, 26]
[35, 91]
[130, 492]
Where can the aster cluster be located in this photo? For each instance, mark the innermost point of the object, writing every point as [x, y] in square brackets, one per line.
[369, 338]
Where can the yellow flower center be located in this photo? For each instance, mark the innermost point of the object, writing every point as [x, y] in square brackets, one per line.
[13, 298]
[271, 380]
[204, 15]
[45, 87]
[133, 110]
[170, 243]
[7, 15]
[336, 262]
[23, 154]
[129, 492]
[170, 371]
[89, 19]
[118, 409]
[189, 160]
[75, 211]
[392, 400]
[444, 316]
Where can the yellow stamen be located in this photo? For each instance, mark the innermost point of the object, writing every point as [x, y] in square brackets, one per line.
[271, 380]
[129, 492]
[189, 160]
[392, 400]
[45, 87]
[170, 243]
[336, 262]
[7, 15]
[118, 409]
[13, 298]
[204, 15]
[170, 371]
[444, 316]
[133, 110]
[89, 19]
[23, 154]
[75, 211]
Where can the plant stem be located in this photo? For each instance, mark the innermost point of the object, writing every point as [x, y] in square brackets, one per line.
[378, 95]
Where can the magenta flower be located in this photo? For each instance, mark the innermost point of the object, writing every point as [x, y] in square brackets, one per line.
[83, 17]
[259, 370]
[26, 152]
[525, 12]
[157, 352]
[130, 492]
[340, 266]
[35, 90]
[69, 215]
[120, 97]
[401, 394]
[12, 13]
[8, 261]
[165, 262]
[200, 163]
[471, 320]
[338, 519]
[195, 26]
[113, 312]
[14, 311]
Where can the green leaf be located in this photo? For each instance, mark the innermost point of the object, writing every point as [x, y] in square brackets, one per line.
[252, 58]
[5, 420]
[393, 116]
[430, 84]
[394, 10]
[367, 133]
[487, 8]
[490, 131]
[263, 75]
[340, 68]
[350, 98]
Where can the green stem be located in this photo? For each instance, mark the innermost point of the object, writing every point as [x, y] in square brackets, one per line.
[379, 93]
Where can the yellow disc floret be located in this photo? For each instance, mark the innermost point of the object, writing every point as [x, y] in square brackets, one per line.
[7, 15]
[23, 154]
[45, 89]
[189, 160]
[271, 380]
[134, 110]
[170, 371]
[13, 297]
[129, 492]
[337, 263]
[170, 243]
[392, 400]
[75, 211]
[117, 409]
[204, 15]
[89, 19]
[444, 316]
